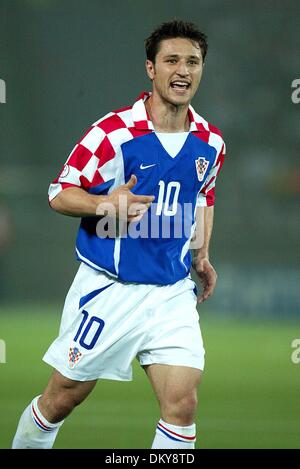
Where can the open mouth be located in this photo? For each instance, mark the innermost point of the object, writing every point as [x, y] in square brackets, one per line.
[180, 85]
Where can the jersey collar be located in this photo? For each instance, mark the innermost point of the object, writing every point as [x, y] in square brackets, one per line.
[142, 119]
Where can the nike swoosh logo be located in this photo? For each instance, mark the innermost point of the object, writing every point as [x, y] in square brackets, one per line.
[148, 166]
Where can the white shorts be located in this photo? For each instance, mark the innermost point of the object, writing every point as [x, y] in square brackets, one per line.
[107, 323]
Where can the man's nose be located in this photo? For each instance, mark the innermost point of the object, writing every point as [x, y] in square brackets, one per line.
[182, 69]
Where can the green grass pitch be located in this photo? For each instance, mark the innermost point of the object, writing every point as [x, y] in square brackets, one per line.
[249, 397]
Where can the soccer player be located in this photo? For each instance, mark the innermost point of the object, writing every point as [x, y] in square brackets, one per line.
[137, 177]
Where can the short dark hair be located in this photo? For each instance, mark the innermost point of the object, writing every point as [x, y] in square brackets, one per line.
[173, 29]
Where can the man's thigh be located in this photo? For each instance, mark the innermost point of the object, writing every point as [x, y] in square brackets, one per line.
[174, 335]
[103, 326]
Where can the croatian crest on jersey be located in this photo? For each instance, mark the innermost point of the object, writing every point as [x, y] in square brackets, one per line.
[201, 167]
[74, 356]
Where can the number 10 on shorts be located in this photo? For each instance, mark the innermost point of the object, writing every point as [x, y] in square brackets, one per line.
[89, 331]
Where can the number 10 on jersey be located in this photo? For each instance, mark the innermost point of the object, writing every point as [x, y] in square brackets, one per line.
[168, 198]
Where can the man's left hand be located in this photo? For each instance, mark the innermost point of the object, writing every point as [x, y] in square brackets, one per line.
[207, 276]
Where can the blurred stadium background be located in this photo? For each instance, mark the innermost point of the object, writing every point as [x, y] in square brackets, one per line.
[67, 63]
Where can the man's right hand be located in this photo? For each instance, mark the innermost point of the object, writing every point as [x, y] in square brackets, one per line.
[125, 205]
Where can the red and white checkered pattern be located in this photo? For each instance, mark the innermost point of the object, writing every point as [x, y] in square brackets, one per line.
[74, 356]
[93, 160]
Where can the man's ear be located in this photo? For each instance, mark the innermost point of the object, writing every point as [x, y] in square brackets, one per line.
[150, 68]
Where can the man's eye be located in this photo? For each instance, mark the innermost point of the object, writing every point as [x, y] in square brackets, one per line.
[172, 61]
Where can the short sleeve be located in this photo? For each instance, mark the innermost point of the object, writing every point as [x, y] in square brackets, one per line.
[206, 196]
[81, 166]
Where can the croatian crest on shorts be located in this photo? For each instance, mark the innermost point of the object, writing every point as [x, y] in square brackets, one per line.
[74, 356]
[201, 167]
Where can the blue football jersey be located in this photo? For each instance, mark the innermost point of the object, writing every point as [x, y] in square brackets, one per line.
[154, 250]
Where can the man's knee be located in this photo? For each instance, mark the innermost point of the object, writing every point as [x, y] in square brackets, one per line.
[57, 407]
[180, 410]
[61, 396]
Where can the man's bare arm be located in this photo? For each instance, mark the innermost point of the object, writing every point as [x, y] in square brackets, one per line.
[201, 263]
[205, 217]
[76, 202]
